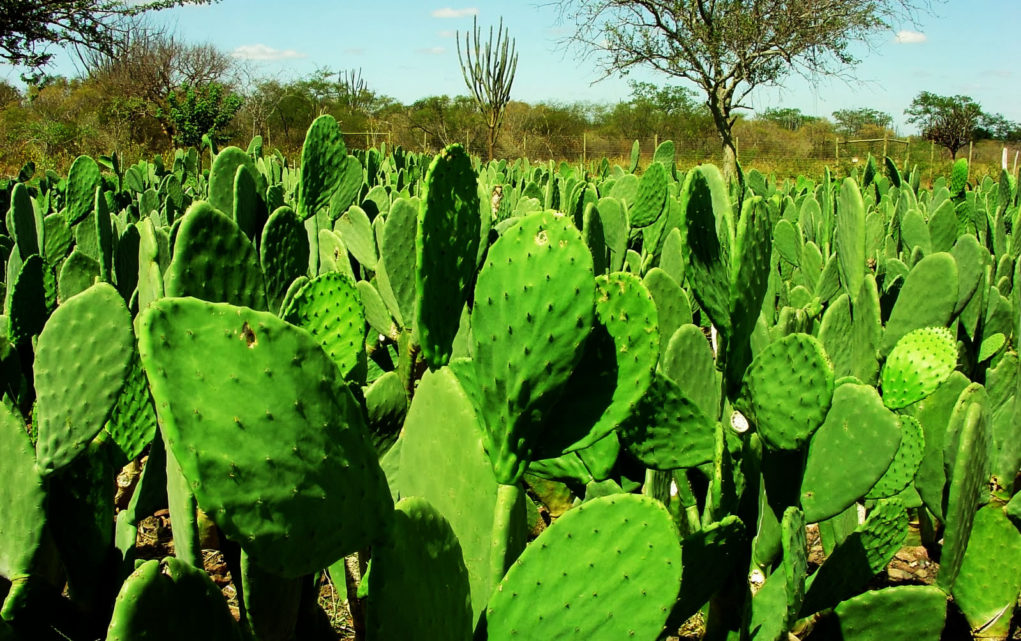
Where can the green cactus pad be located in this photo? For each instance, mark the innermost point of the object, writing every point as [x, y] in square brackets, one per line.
[75, 399]
[24, 222]
[709, 556]
[651, 197]
[967, 481]
[447, 245]
[672, 305]
[159, 587]
[328, 306]
[419, 582]
[849, 237]
[603, 393]
[927, 299]
[133, 420]
[750, 261]
[214, 261]
[900, 613]
[323, 160]
[958, 177]
[398, 248]
[795, 560]
[860, 433]
[82, 179]
[607, 569]
[855, 560]
[989, 583]
[768, 617]
[708, 264]
[270, 605]
[386, 405]
[348, 186]
[284, 456]
[283, 253]
[21, 498]
[905, 464]
[534, 307]
[27, 301]
[918, 363]
[688, 360]
[668, 431]
[787, 391]
[222, 175]
[441, 458]
[355, 229]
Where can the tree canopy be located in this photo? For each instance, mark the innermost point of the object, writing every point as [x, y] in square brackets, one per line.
[727, 48]
[855, 122]
[949, 121]
[29, 28]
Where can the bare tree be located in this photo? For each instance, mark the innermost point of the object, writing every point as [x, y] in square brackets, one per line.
[489, 74]
[727, 48]
[145, 64]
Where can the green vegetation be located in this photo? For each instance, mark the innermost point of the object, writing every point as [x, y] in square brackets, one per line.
[506, 399]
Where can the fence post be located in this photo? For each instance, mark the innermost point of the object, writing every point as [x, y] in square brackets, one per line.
[885, 142]
[524, 145]
[907, 154]
[932, 154]
[584, 148]
[836, 150]
[655, 143]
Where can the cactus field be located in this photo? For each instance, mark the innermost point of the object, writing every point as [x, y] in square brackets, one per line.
[507, 401]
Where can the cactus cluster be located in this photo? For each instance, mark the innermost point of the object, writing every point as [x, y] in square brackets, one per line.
[607, 402]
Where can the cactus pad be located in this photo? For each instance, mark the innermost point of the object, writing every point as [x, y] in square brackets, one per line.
[651, 197]
[447, 245]
[858, 432]
[419, 582]
[919, 362]
[900, 613]
[283, 253]
[214, 261]
[328, 306]
[323, 160]
[159, 587]
[133, 419]
[75, 399]
[787, 390]
[284, 457]
[607, 569]
[21, 501]
[534, 307]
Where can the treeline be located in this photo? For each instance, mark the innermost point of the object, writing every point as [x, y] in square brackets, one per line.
[155, 93]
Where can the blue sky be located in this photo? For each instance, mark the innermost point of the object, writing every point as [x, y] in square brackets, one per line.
[406, 49]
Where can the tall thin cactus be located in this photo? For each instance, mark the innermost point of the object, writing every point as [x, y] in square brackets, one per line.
[489, 74]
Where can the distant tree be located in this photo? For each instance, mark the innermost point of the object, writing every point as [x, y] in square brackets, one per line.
[851, 122]
[195, 111]
[948, 121]
[997, 127]
[787, 117]
[489, 73]
[8, 93]
[727, 48]
[29, 28]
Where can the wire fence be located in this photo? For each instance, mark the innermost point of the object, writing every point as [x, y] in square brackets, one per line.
[765, 151]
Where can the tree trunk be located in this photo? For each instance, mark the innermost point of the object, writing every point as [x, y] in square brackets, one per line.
[491, 141]
[719, 108]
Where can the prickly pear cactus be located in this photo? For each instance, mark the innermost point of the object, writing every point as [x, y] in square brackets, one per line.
[958, 177]
[214, 261]
[155, 587]
[419, 582]
[859, 433]
[787, 391]
[593, 575]
[900, 613]
[534, 308]
[919, 362]
[75, 401]
[447, 246]
[282, 439]
[22, 502]
[328, 306]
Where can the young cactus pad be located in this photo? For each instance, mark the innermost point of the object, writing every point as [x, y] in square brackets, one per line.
[269, 438]
[920, 361]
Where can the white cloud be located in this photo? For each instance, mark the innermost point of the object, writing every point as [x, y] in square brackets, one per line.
[908, 37]
[446, 33]
[447, 12]
[264, 52]
[433, 51]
